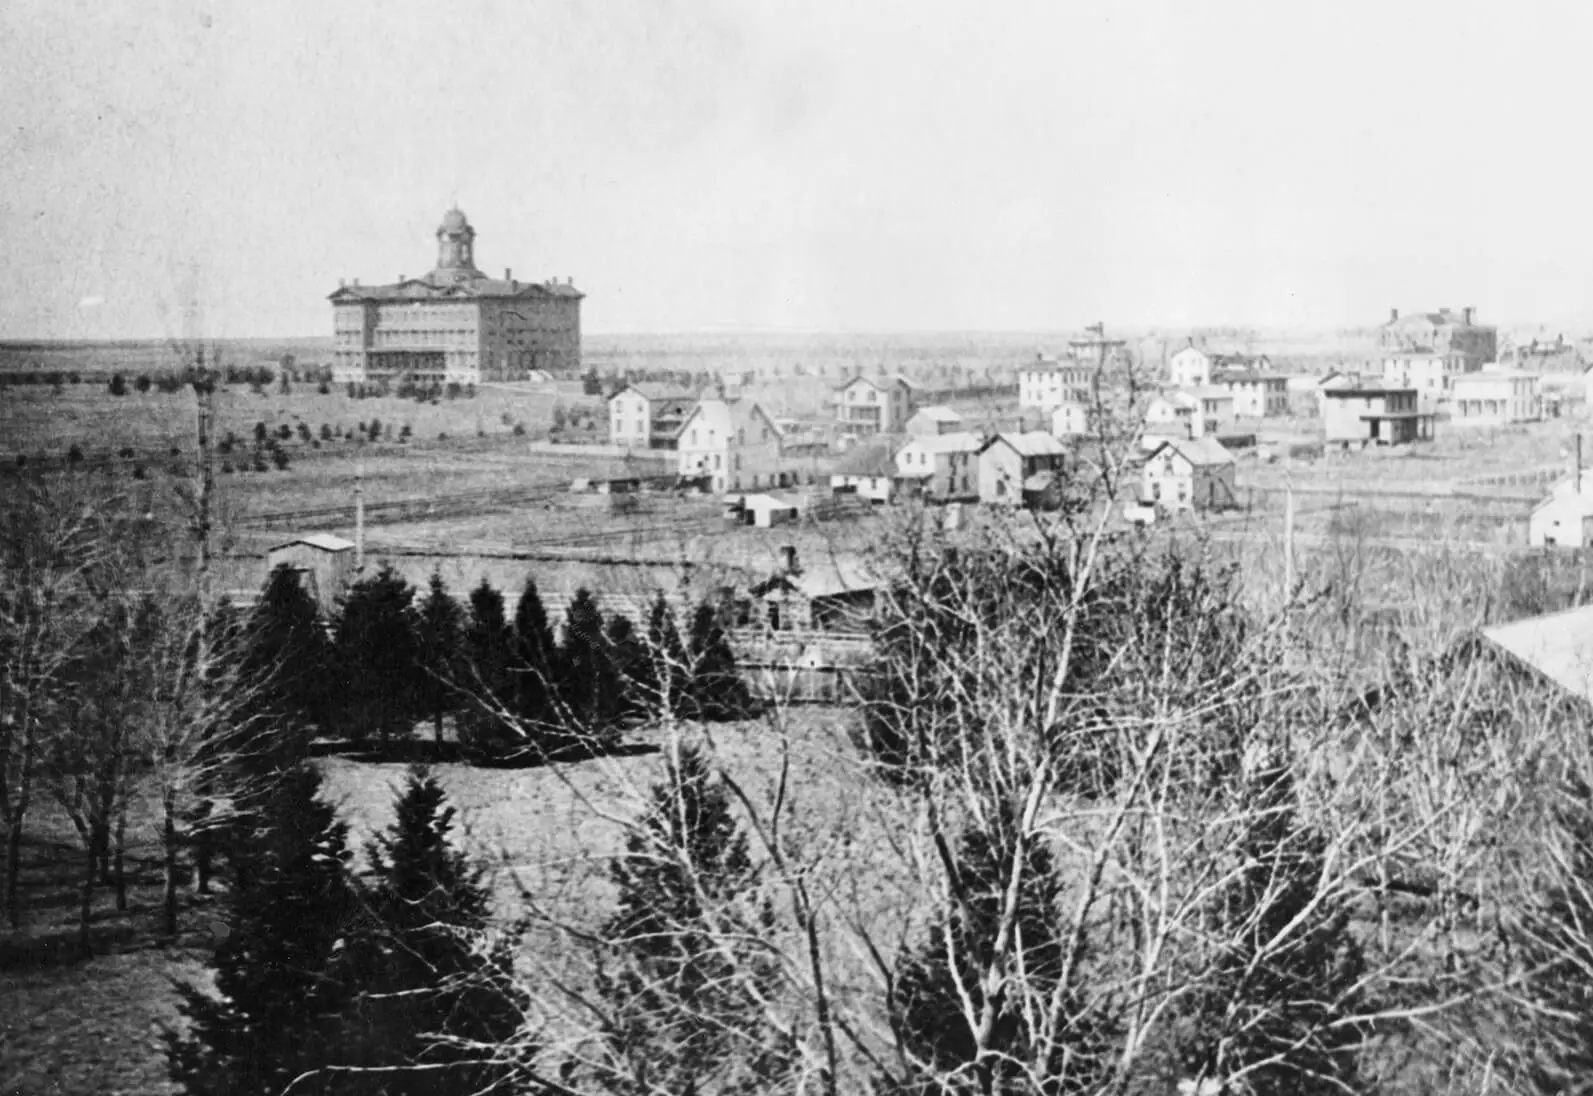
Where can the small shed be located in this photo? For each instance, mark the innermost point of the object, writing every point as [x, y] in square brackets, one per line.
[766, 511]
[1564, 519]
[324, 563]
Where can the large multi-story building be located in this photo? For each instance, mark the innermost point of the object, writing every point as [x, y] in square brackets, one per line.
[1046, 383]
[455, 324]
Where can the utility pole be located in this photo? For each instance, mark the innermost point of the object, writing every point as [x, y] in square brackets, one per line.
[359, 518]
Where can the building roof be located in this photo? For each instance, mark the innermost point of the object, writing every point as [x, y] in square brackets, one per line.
[883, 384]
[1034, 443]
[875, 459]
[1357, 393]
[938, 413]
[1208, 392]
[1202, 452]
[963, 441]
[1444, 317]
[657, 393]
[1557, 645]
[1244, 376]
[766, 501]
[326, 542]
[1495, 372]
[424, 289]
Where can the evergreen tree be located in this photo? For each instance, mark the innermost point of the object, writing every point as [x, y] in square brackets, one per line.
[281, 993]
[488, 650]
[1274, 1001]
[438, 635]
[629, 657]
[690, 976]
[927, 1002]
[590, 687]
[715, 691]
[663, 675]
[432, 994]
[536, 668]
[380, 656]
[288, 663]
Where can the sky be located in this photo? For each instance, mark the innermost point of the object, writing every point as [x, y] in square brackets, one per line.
[197, 167]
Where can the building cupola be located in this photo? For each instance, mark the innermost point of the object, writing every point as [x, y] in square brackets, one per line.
[456, 240]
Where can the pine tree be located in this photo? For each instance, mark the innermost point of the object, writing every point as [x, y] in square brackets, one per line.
[662, 676]
[1275, 1002]
[438, 635]
[433, 994]
[687, 987]
[488, 650]
[716, 692]
[281, 994]
[536, 668]
[927, 1004]
[628, 654]
[288, 661]
[590, 686]
[380, 656]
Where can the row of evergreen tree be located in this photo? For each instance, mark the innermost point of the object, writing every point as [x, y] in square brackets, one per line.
[391, 657]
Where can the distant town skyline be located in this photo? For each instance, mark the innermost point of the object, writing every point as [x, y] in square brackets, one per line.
[195, 168]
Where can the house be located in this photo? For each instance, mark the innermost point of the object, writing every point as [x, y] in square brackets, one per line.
[1189, 474]
[834, 592]
[734, 444]
[1373, 416]
[1188, 413]
[1007, 461]
[940, 467]
[1429, 374]
[868, 471]
[1190, 367]
[1564, 518]
[764, 510]
[646, 416]
[1256, 395]
[324, 563]
[934, 420]
[1495, 396]
[1070, 420]
[1046, 383]
[873, 405]
[1443, 334]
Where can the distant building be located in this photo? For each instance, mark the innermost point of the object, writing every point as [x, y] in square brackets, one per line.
[1070, 420]
[934, 420]
[1374, 416]
[735, 444]
[869, 405]
[324, 564]
[455, 324]
[1097, 352]
[940, 467]
[1192, 474]
[1427, 350]
[1564, 518]
[646, 416]
[1190, 367]
[1189, 413]
[1047, 383]
[1256, 394]
[1008, 461]
[1495, 397]
[868, 471]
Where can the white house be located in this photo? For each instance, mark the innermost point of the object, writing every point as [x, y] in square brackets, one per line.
[735, 443]
[1495, 396]
[1008, 461]
[1430, 373]
[645, 416]
[869, 471]
[1190, 367]
[1256, 395]
[1171, 414]
[1565, 516]
[1045, 383]
[1070, 420]
[870, 405]
[1185, 474]
[941, 466]
[937, 419]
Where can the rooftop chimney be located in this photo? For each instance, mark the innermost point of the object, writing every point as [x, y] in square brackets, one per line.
[1468, 312]
[508, 274]
[342, 282]
[401, 278]
[1393, 314]
[356, 283]
[788, 558]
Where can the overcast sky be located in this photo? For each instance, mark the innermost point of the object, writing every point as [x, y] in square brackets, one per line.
[174, 167]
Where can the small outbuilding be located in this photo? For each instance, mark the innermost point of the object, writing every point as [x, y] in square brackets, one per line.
[324, 563]
[1565, 518]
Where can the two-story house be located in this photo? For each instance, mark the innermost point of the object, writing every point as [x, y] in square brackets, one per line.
[1374, 416]
[1070, 420]
[1007, 462]
[1255, 394]
[735, 444]
[868, 471]
[941, 467]
[646, 416]
[1046, 383]
[1190, 367]
[1189, 474]
[873, 405]
[1495, 397]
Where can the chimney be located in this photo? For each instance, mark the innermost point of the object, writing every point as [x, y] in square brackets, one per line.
[508, 274]
[342, 283]
[401, 278]
[788, 559]
[1468, 312]
[356, 283]
[1393, 314]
